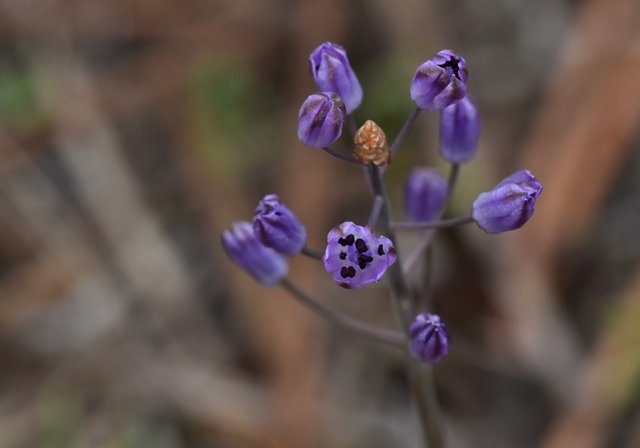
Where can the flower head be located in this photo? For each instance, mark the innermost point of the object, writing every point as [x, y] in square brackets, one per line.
[428, 338]
[440, 81]
[264, 264]
[278, 227]
[321, 119]
[459, 130]
[356, 256]
[509, 205]
[424, 194]
[332, 72]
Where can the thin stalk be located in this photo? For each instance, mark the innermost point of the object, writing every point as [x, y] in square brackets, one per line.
[404, 131]
[311, 253]
[390, 337]
[376, 208]
[341, 155]
[438, 224]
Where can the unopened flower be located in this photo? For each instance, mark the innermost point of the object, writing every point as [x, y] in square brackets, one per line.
[278, 227]
[439, 81]
[263, 263]
[371, 145]
[356, 256]
[332, 72]
[428, 338]
[425, 193]
[509, 205]
[321, 119]
[459, 130]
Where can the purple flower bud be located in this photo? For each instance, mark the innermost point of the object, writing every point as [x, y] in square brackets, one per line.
[424, 194]
[332, 72]
[264, 264]
[321, 119]
[356, 256]
[509, 205]
[459, 131]
[440, 81]
[428, 338]
[278, 227]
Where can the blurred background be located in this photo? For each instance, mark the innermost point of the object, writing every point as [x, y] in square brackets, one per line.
[132, 132]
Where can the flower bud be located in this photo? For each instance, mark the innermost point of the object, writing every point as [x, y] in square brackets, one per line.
[428, 338]
[321, 119]
[439, 81]
[371, 145]
[278, 227]
[459, 130]
[264, 264]
[425, 193]
[332, 72]
[356, 256]
[509, 205]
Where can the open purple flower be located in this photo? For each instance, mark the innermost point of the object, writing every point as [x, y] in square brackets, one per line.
[429, 338]
[439, 81]
[356, 256]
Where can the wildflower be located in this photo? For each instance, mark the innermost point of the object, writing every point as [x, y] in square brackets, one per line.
[356, 256]
[459, 130]
[321, 119]
[440, 81]
[332, 72]
[263, 263]
[371, 145]
[428, 338]
[425, 193]
[509, 205]
[278, 227]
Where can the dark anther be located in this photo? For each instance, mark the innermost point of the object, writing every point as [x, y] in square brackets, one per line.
[380, 250]
[453, 65]
[361, 246]
[343, 255]
[344, 272]
[348, 241]
[366, 258]
[362, 263]
[351, 271]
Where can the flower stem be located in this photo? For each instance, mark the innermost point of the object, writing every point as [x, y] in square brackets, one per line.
[341, 155]
[311, 253]
[390, 337]
[438, 224]
[404, 131]
[376, 208]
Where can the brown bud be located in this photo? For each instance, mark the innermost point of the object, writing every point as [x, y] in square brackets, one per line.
[371, 145]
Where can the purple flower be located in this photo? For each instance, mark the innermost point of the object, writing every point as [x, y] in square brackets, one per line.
[509, 205]
[439, 81]
[278, 227]
[459, 130]
[424, 194]
[356, 256]
[428, 338]
[264, 264]
[332, 72]
[321, 119]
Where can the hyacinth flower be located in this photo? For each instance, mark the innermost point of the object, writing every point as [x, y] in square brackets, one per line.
[278, 227]
[440, 81]
[356, 256]
[263, 263]
[332, 72]
[429, 338]
[459, 131]
[321, 119]
[509, 205]
[425, 193]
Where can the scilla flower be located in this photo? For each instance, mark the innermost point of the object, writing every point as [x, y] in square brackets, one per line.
[278, 227]
[321, 119]
[425, 193]
[509, 205]
[439, 81]
[459, 131]
[263, 263]
[428, 338]
[356, 256]
[332, 72]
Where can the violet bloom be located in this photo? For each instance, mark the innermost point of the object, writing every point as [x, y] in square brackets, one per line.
[321, 119]
[332, 72]
[263, 263]
[459, 131]
[425, 193]
[356, 256]
[428, 338]
[440, 81]
[509, 205]
[278, 227]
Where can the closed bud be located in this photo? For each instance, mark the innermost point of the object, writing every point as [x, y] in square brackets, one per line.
[440, 81]
[332, 72]
[425, 193]
[459, 131]
[428, 338]
[261, 262]
[321, 119]
[278, 227]
[509, 205]
[371, 145]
